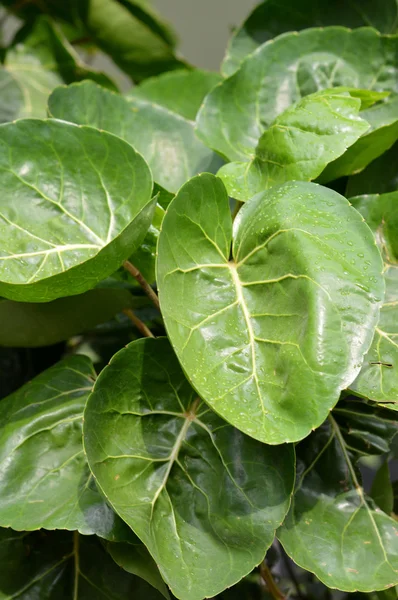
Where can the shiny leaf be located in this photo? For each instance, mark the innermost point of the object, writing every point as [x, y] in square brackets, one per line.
[333, 529]
[380, 177]
[299, 144]
[68, 218]
[269, 337]
[273, 17]
[282, 71]
[166, 140]
[204, 498]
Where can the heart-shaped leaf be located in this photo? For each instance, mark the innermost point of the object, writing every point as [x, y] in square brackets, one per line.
[166, 140]
[380, 177]
[333, 529]
[273, 17]
[378, 379]
[45, 479]
[204, 498]
[271, 335]
[68, 218]
[282, 71]
[299, 144]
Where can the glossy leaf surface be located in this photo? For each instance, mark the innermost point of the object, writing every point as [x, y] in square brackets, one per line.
[181, 91]
[282, 71]
[273, 17]
[269, 336]
[68, 219]
[45, 479]
[204, 498]
[380, 177]
[299, 144]
[333, 529]
[166, 140]
[378, 379]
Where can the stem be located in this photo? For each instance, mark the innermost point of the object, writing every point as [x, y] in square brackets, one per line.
[237, 208]
[270, 582]
[142, 281]
[77, 566]
[138, 323]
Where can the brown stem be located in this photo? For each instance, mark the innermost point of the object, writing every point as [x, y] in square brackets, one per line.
[138, 323]
[142, 281]
[270, 582]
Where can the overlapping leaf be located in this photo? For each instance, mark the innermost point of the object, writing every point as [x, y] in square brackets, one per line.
[273, 17]
[333, 529]
[204, 498]
[144, 258]
[378, 379]
[166, 140]
[76, 203]
[280, 72]
[270, 331]
[299, 144]
[380, 177]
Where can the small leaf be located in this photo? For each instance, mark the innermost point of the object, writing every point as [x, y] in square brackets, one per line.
[333, 529]
[271, 18]
[46, 482]
[378, 379]
[299, 144]
[237, 112]
[380, 177]
[204, 498]
[181, 91]
[68, 218]
[382, 492]
[270, 336]
[166, 140]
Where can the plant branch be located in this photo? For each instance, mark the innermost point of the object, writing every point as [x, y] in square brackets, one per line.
[76, 540]
[270, 582]
[138, 323]
[130, 268]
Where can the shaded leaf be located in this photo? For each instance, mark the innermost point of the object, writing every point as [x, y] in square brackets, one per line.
[204, 498]
[269, 337]
[179, 91]
[68, 219]
[299, 144]
[273, 17]
[166, 140]
[282, 71]
[380, 177]
[333, 529]
[144, 258]
[11, 98]
[382, 492]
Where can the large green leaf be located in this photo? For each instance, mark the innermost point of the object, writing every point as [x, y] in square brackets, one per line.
[279, 73]
[37, 63]
[76, 203]
[273, 17]
[380, 177]
[378, 379]
[333, 529]
[166, 140]
[204, 498]
[45, 479]
[299, 144]
[383, 133]
[269, 336]
[63, 566]
[180, 91]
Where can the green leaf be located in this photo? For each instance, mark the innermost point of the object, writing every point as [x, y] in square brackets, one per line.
[382, 492]
[166, 140]
[11, 98]
[203, 498]
[383, 119]
[269, 337]
[299, 144]
[378, 379]
[282, 71]
[380, 177]
[76, 203]
[181, 91]
[135, 559]
[62, 566]
[31, 325]
[273, 17]
[39, 62]
[144, 258]
[333, 529]
[46, 482]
